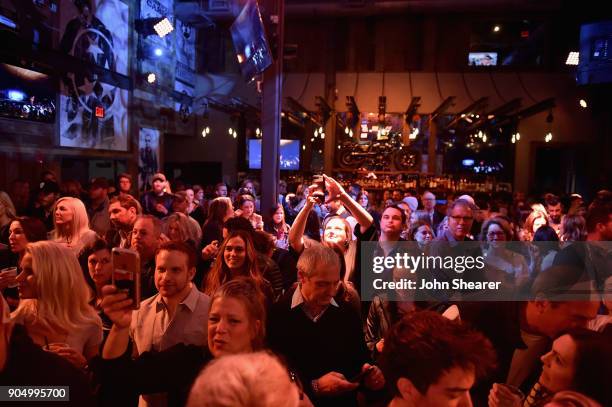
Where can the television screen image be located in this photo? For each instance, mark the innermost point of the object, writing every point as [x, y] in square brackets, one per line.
[250, 43]
[26, 94]
[289, 154]
[482, 58]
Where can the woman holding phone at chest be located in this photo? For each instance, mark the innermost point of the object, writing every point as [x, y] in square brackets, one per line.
[54, 304]
[236, 324]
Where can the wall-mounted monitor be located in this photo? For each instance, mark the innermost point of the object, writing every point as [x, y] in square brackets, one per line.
[595, 62]
[26, 94]
[248, 35]
[289, 154]
[482, 58]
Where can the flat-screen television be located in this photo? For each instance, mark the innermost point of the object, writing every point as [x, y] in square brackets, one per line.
[27, 95]
[289, 154]
[595, 62]
[248, 35]
[482, 58]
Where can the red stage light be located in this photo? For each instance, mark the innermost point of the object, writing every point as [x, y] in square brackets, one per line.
[100, 112]
[525, 34]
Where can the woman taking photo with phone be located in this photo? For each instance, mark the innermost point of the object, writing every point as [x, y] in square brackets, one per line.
[336, 230]
[54, 303]
[236, 324]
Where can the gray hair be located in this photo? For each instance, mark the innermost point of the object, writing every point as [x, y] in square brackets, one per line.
[462, 202]
[244, 380]
[316, 256]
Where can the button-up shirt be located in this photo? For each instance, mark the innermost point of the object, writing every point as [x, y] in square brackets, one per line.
[153, 329]
[297, 300]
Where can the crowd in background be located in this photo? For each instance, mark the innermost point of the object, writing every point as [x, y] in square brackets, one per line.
[244, 308]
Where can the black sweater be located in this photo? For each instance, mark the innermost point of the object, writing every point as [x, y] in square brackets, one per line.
[334, 343]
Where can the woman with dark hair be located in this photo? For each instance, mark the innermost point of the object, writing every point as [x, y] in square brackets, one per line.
[246, 209]
[579, 361]
[98, 273]
[219, 210]
[548, 246]
[496, 233]
[277, 227]
[236, 324]
[573, 229]
[420, 232]
[22, 231]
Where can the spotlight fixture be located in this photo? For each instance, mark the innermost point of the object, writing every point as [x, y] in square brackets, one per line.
[573, 58]
[496, 28]
[151, 78]
[583, 103]
[163, 28]
[303, 147]
[257, 132]
[205, 131]
[323, 135]
[158, 52]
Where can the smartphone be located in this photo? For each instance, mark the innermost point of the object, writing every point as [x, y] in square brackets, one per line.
[126, 273]
[319, 181]
[359, 377]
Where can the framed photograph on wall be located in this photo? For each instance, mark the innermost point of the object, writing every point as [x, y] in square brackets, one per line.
[93, 113]
[149, 160]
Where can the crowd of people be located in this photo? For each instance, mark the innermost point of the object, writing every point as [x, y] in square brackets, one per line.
[244, 308]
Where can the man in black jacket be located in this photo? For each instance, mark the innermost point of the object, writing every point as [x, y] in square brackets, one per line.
[322, 340]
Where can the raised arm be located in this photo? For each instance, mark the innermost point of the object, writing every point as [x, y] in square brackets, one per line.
[336, 191]
[118, 307]
[296, 233]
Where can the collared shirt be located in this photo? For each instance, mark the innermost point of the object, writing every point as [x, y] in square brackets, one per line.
[298, 300]
[153, 329]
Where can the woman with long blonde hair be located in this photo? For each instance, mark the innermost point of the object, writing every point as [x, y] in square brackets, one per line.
[71, 224]
[54, 303]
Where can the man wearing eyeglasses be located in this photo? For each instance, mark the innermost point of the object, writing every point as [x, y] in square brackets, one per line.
[460, 219]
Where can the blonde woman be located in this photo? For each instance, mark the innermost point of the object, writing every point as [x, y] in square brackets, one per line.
[178, 227]
[54, 303]
[71, 225]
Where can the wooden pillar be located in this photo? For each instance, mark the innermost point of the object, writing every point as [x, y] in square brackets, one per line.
[271, 108]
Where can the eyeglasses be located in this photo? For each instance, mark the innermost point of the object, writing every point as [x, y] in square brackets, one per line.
[466, 219]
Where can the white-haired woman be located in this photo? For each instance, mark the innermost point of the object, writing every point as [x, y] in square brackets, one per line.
[71, 225]
[245, 380]
[54, 303]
